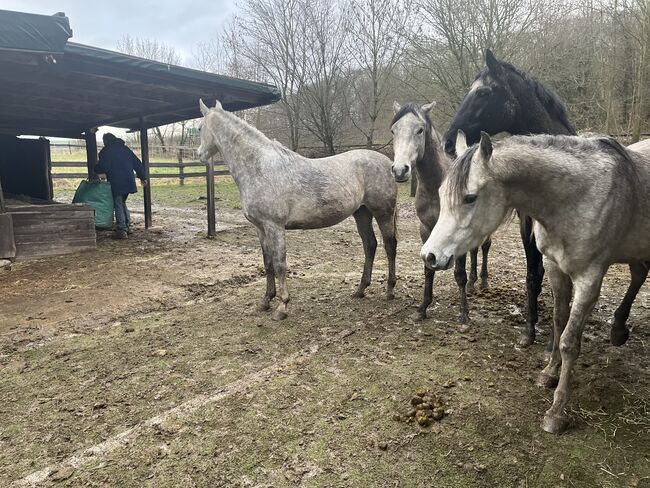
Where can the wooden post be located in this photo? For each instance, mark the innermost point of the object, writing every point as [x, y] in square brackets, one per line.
[212, 223]
[2, 199]
[181, 166]
[144, 148]
[414, 182]
[91, 151]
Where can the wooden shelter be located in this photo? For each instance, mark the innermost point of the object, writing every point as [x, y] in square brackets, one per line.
[52, 87]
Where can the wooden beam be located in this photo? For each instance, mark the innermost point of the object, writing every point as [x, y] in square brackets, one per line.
[91, 151]
[144, 148]
[2, 199]
[212, 220]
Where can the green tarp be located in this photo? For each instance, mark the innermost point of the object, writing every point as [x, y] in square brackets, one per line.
[98, 195]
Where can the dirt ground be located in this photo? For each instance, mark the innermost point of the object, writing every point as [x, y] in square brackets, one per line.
[145, 363]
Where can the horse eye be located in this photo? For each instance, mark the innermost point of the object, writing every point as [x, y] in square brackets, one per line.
[420, 131]
[469, 199]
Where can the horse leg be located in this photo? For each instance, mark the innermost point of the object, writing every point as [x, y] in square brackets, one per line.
[485, 249]
[473, 276]
[276, 241]
[534, 276]
[388, 229]
[620, 333]
[562, 289]
[264, 304]
[460, 273]
[421, 312]
[363, 218]
[587, 288]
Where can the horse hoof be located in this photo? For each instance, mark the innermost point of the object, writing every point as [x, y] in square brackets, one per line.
[470, 289]
[263, 306]
[419, 316]
[525, 340]
[464, 327]
[358, 294]
[619, 336]
[390, 295]
[547, 381]
[484, 285]
[278, 315]
[555, 424]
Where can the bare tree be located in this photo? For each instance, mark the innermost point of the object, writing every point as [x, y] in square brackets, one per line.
[377, 44]
[148, 49]
[325, 78]
[156, 51]
[268, 38]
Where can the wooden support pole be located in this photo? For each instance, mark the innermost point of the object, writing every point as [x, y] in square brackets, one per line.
[91, 151]
[2, 199]
[181, 167]
[144, 148]
[212, 221]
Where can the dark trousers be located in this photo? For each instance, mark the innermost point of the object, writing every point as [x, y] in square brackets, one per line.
[122, 215]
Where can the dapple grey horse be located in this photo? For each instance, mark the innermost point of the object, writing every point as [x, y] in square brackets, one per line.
[606, 188]
[281, 190]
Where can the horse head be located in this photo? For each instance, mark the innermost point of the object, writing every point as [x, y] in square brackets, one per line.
[490, 105]
[208, 146]
[410, 127]
[472, 205]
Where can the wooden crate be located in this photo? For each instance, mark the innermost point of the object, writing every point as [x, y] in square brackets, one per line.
[52, 229]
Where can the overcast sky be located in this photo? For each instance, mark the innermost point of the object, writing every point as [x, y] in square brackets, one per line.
[180, 24]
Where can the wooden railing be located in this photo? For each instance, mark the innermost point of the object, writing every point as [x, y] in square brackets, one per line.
[181, 166]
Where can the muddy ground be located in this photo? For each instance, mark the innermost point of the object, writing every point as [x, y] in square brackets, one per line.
[145, 363]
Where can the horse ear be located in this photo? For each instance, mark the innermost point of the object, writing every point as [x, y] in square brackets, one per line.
[217, 105]
[396, 106]
[461, 143]
[492, 62]
[426, 108]
[485, 146]
[204, 108]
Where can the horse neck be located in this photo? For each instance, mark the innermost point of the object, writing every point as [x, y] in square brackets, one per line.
[240, 143]
[530, 178]
[535, 118]
[432, 167]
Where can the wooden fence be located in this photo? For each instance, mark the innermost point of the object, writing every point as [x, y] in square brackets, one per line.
[180, 166]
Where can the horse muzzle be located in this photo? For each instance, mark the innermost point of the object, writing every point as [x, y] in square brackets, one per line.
[435, 263]
[401, 173]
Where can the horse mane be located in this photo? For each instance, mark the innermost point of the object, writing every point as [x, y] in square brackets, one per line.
[458, 175]
[548, 98]
[625, 160]
[411, 108]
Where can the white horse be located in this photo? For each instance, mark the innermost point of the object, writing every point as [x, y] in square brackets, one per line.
[281, 190]
[589, 200]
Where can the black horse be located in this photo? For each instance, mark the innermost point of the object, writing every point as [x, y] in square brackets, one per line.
[505, 99]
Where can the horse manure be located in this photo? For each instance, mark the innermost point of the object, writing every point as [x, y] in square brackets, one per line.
[422, 418]
[416, 400]
[425, 407]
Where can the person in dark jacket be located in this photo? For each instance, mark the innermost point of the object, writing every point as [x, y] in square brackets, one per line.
[118, 162]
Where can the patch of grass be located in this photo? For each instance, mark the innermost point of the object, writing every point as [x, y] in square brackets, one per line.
[187, 196]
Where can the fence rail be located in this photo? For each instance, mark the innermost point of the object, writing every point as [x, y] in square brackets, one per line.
[182, 175]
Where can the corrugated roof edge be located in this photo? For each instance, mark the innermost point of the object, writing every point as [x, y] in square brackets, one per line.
[83, 50]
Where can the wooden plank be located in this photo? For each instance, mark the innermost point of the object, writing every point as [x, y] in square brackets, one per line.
[65, 213]
[71, 227]
[27, 251]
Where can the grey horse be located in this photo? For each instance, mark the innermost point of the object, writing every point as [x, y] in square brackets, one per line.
[417, 146]
[605, 186]
[281, 190]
